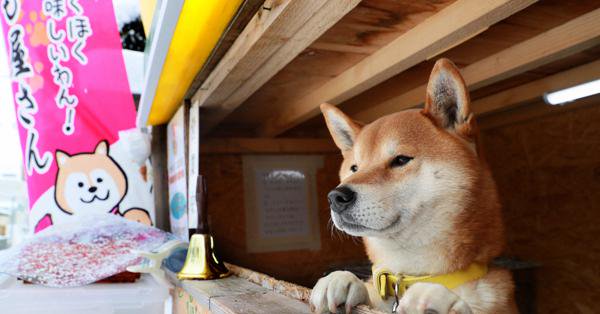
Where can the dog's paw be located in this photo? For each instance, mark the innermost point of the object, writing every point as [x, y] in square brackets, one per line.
[336, 289]
[431, 298]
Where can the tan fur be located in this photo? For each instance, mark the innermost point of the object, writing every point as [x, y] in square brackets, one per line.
[438, 213]
[138, 215]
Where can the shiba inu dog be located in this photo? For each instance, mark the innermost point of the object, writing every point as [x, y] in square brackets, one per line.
[93, 183]
[415, 187]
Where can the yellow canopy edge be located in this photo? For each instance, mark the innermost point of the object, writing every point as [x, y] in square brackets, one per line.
[198, 30]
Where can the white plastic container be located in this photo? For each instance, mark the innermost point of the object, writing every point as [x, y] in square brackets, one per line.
[146, 296]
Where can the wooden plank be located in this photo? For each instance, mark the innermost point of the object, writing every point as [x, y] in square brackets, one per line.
[286, 288]
[245, 13]
[267, 146]
[282, 287]
[239, 295]
[258, 41]
[371, 24]
[530, 91]
[449, 27]
[248, 291]
[204, 291]
[246, 70]
[160, 176]
[574, 36]
[533, 110]
[344, 48]
[257, 303]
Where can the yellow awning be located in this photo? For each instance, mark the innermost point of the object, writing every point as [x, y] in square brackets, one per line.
[198, 30]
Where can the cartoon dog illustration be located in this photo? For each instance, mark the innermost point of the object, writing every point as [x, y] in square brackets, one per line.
[89, 182]
[92, 183]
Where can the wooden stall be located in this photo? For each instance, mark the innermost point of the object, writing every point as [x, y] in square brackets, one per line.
[260, 92]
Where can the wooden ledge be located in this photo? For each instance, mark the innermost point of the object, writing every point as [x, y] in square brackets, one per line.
[267, 146]
[248, 291]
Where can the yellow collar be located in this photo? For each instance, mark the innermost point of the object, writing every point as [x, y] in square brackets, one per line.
[386, 281]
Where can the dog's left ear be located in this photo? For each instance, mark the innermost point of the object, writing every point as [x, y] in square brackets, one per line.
[447, 100]
[102, 148]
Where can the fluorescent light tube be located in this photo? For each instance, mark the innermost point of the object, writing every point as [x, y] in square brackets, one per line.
[573, 93]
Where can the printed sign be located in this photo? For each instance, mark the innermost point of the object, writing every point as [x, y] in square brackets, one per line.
[72, 98]
[176, 168]
[281, 202]
[194, 165]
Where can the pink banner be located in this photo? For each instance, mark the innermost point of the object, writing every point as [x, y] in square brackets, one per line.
[72, 97]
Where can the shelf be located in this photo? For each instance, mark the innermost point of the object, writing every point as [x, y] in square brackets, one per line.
[246, 291]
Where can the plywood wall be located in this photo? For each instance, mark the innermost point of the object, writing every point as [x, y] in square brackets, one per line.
[226, 205]
[547, 168]
[548, 173]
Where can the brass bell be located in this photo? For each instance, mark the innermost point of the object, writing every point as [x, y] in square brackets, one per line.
[201, 261]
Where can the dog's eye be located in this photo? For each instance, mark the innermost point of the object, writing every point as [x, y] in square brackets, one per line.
[354, 168]
[99, 180]
[400, 161]
[80, 184]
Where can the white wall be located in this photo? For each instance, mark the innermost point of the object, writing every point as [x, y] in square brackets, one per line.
[10, 161]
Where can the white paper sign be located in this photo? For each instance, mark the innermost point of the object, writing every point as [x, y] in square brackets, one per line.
[280, 202]
[193, 161]
[283, 201]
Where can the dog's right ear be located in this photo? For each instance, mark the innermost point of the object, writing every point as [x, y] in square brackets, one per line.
[101, 148]
[61, 158]
[447, 101]
[343, 129]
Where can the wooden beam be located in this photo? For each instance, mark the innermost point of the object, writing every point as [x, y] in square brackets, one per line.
[574, 36]
[534, 110]
[271, 40]
[367, 50]
[451, 26]
[160, 176]
[532, 90]
[267, 146]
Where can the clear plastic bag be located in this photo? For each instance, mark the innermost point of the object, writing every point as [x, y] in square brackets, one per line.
[81, 251]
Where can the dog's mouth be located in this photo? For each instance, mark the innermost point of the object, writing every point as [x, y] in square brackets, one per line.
[95, 197]
[349, 225]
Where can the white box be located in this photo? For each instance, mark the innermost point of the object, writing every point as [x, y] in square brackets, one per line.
[146, 296]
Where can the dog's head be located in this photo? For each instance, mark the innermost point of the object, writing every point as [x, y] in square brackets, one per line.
[89, 182]
[415, 173]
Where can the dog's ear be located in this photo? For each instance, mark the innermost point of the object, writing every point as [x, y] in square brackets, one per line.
[447, 100]
[343, 129]
[101, 148]
[61, 158]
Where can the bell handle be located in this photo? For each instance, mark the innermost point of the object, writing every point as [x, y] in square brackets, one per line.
[202, 206]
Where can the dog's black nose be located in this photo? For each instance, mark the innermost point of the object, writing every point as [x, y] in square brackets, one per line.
[341, 198]
[92, 189]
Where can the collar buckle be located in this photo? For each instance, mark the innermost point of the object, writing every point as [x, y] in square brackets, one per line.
[396, 298]
[389, 284]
